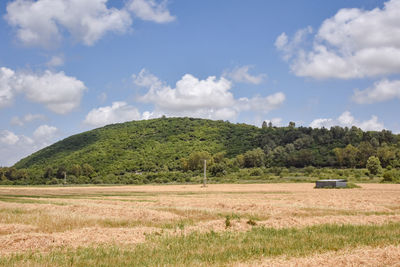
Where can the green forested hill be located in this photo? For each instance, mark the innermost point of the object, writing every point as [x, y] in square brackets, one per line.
[173, 147]
[148, 145]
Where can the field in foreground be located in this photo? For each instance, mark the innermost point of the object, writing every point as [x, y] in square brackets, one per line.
[261, 224]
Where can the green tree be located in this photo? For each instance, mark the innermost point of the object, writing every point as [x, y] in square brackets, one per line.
[76, 170]
[218, 169]
[386, 154]
[264, 124]
[60, 172]
[49, 173]
[239, 160]
[195, 160]
[219, 157]
[374, 165]
[254, 158]
[365, 150]
[351, 155]
[340, 155]
[87, 170]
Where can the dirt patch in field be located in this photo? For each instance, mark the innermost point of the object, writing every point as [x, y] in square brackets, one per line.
[6, 229]
[382, 256]
[93, 236]
[97, 209]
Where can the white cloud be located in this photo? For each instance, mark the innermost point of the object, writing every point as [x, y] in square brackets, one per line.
[381, 91]
[116, 113]
[55, 61]
[348, 120]
[13, 147]
[151, 10]
[45, 132]
[263, 104]
[371, 125]
[208, 98]
[147, 79]
[282, 41]
[242, 75]
[27, 118]
[192, 93]
[8, 138]
[43, 22]
[354, 43]
[6, 90]
[289, 48]
[319, 123]
[58, 92]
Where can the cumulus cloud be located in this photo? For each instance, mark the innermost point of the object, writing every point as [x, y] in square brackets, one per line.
[348, 120]
[354, 43]
[324, 122]
[42, 22]
[13, 147]
[381, 91]
[58, 92]
[242, 75]
[6, 90]
[151, 10]
[208, 98]
[263, 104]
[116, 113]
[8, 138]
[192, 93]
[26, 119]
[45, 132]
[39, 22]
[147, 79]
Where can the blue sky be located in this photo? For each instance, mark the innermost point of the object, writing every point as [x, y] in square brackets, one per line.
[68, 66]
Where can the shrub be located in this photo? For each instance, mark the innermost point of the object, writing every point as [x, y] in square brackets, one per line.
[53, 181]
[374, 165]
[276, 170]
[309, 170]
[218, 169]
[391, 176]
[256, 172]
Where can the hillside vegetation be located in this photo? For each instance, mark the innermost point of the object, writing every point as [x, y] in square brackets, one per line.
[177, 147]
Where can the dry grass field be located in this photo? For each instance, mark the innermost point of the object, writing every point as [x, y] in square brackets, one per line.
[238, 224]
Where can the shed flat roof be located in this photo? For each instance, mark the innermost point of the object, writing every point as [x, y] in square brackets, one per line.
[333, 180]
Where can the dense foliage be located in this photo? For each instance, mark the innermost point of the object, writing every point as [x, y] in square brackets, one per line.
[173, 149]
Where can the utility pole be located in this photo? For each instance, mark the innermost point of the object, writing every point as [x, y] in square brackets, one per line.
[205, 174]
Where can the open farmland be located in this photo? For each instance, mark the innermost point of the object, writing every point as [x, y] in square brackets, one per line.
[260, 224]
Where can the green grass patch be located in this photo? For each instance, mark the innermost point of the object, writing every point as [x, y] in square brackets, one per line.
[315, 212]
[29, 201]
[204, 249]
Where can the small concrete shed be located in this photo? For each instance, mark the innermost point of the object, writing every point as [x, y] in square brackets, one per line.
[334, 183]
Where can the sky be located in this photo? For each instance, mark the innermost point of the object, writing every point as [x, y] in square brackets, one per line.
[69, 66]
